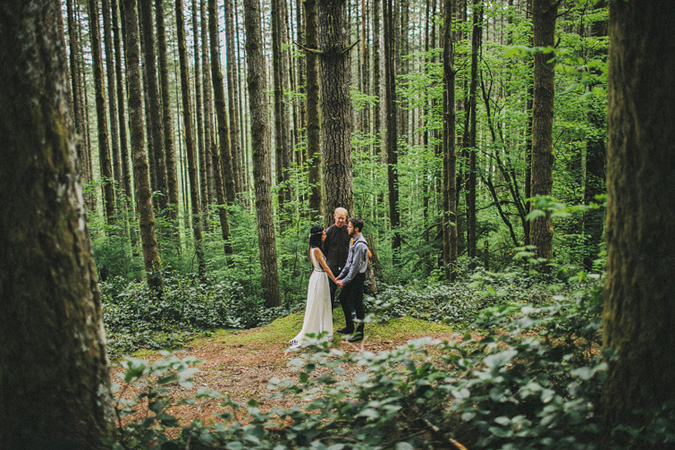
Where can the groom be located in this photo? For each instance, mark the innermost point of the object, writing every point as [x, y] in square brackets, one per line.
[351, 281]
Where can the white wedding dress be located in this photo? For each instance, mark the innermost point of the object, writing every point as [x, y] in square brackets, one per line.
[318, 312]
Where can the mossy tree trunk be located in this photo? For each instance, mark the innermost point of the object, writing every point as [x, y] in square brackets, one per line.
[262, 171]
[449, 219]
[78, 96]
[222, 156]
[101, 115]
[238, 166]
[54, 372]
[112, 90]
[544, 18]
[200, 138]
[639, 311]
[167, 114]
[336, 107]
[392, 113]
[156, 125]
[280, 64]
[139, 155]
[313, 113]
[190, 147]
[469, 140]
[224, 135]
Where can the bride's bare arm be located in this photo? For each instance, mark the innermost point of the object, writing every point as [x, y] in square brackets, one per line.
[322, 263]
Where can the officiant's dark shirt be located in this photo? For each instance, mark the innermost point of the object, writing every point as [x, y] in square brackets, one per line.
[336, 248]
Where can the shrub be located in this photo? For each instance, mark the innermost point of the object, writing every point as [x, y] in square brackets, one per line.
[135, 317]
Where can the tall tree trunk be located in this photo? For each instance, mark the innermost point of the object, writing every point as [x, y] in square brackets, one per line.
[638, 312]
[139, 155]
[280, 69]
[225, 188]
[76, 89]
[233, 104]
[167, 115]
[189, 139]
[54, 372]
[544, 17]
[336, 107]
[112, 105]
[377, 93]
[528, 134]
[364, 124]
[221, 106]
[155, 108]
[313, 112]
[199, 111]
[300, 83]
[470, 141]
[121, 108]
[102, 118]
[210, 144]
[261, 155]
[87, 161]
[402, 64]
[392, 126]
[449, 220]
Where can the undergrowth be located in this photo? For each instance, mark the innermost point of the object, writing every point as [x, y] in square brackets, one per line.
[532, 380]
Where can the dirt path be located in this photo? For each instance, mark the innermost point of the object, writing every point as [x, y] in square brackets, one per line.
[241, 364]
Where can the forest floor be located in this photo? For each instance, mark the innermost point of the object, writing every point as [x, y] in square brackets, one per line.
[239, 364]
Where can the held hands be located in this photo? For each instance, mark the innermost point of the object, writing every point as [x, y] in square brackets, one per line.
[339, 282]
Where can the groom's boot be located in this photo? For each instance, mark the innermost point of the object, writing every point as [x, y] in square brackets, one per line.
[348, 329]
[358, 334]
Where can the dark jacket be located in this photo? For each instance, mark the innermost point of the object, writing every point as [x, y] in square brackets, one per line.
[336, 248]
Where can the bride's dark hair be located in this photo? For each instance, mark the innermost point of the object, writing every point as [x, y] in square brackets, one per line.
[315, 236]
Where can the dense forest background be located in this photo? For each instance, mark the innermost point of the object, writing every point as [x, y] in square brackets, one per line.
[510, 164]
[201, 176]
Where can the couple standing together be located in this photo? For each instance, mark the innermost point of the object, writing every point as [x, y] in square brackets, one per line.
[346, 253]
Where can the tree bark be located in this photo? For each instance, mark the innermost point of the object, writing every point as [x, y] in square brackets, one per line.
[54, 372]
[282, 149]
[121, 108]
[139, 155]
[112, 104]
[102, 118]
[167, 114]
[222, 156]
[155, 108]
[76, 90]
[210, 141]
[262, 171]
[199, 111]
[392, 114]
[189, 139]
[221, 106]
[336, 107]
[638, 312]
[544, 17]
[313, 113]
[470, 141]
[238, 167]
[449, 219]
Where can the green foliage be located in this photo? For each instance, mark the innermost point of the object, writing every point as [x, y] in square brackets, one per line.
[527, 377]
[136, 318]
[460, 302]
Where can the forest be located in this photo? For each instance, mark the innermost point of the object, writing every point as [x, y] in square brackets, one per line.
[164, 161]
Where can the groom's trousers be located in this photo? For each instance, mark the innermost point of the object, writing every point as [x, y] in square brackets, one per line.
[351, 299]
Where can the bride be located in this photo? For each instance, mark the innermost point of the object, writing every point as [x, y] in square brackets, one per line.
[318, 312]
